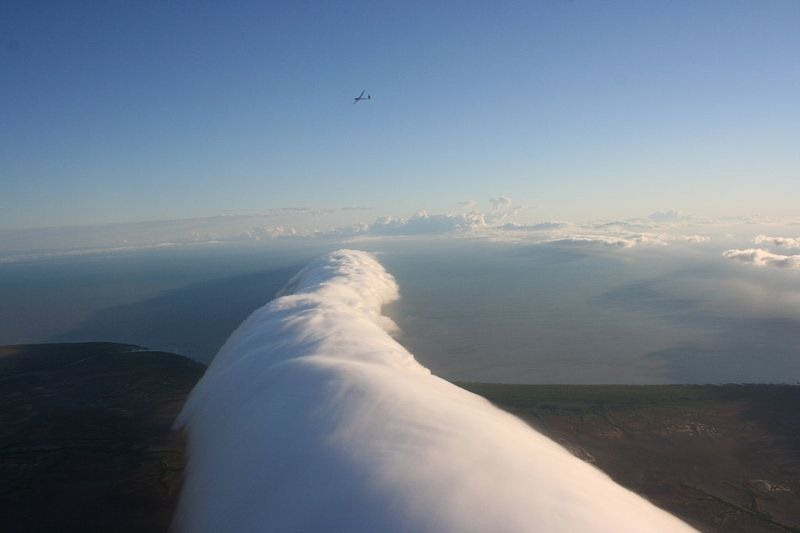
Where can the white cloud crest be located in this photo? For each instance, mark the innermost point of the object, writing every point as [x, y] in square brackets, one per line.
[312, 418]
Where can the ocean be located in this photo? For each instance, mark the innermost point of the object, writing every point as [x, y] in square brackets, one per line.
[469, 310]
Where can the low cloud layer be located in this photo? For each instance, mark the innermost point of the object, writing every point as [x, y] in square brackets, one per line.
[625, 239]
[779, 242]
[497, 223]
[761, 257]
[312, 418]
[539, 226]
[594, 240]
[421, 223]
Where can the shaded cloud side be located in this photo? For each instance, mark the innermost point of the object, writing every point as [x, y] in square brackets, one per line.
[313, 418]
[761, 257]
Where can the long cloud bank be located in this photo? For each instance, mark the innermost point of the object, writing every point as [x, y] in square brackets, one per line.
[303, 224]
[313, 418]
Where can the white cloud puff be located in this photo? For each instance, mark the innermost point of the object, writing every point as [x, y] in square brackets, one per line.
[502, 209]
[779, 242]
[761, 257]
[313, 418]
[500, 203]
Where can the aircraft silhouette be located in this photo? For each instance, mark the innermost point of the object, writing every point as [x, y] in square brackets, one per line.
[360, 97]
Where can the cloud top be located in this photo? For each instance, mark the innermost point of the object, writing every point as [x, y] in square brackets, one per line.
[312, 418]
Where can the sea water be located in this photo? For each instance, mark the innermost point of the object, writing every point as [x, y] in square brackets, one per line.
[471, 311]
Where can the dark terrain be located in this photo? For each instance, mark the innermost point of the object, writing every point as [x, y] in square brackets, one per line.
[723, 458]
[85, 436]
[86, 441]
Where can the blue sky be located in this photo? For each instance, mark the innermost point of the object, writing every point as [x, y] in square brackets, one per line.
[125, 111]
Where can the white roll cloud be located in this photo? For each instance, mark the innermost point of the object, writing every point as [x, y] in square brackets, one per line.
[313, 418]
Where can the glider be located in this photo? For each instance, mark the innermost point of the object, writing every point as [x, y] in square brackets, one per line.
[360, 97]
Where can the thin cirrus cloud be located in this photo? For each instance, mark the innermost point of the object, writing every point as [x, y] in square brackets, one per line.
[313, 418]
[764, 258]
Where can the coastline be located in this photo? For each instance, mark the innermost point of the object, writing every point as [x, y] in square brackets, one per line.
[87, 441]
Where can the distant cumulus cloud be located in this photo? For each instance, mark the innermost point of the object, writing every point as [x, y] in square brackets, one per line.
[424, 223]
[421, 223]
[496, 224]
[502, 209]
[539, 226]
[613, 241]
[267, 232]
[780, 242]
[694, 238]
[500, 203]
[593, 240]
[761, 257]
[666, 216]
[629, 225]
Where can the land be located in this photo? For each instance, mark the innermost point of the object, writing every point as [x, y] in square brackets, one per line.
[85, 437]
[86, 440]
[723, 458]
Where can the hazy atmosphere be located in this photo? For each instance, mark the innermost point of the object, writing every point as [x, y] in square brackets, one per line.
[377, 207]
[616, 183]
[122, 112]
